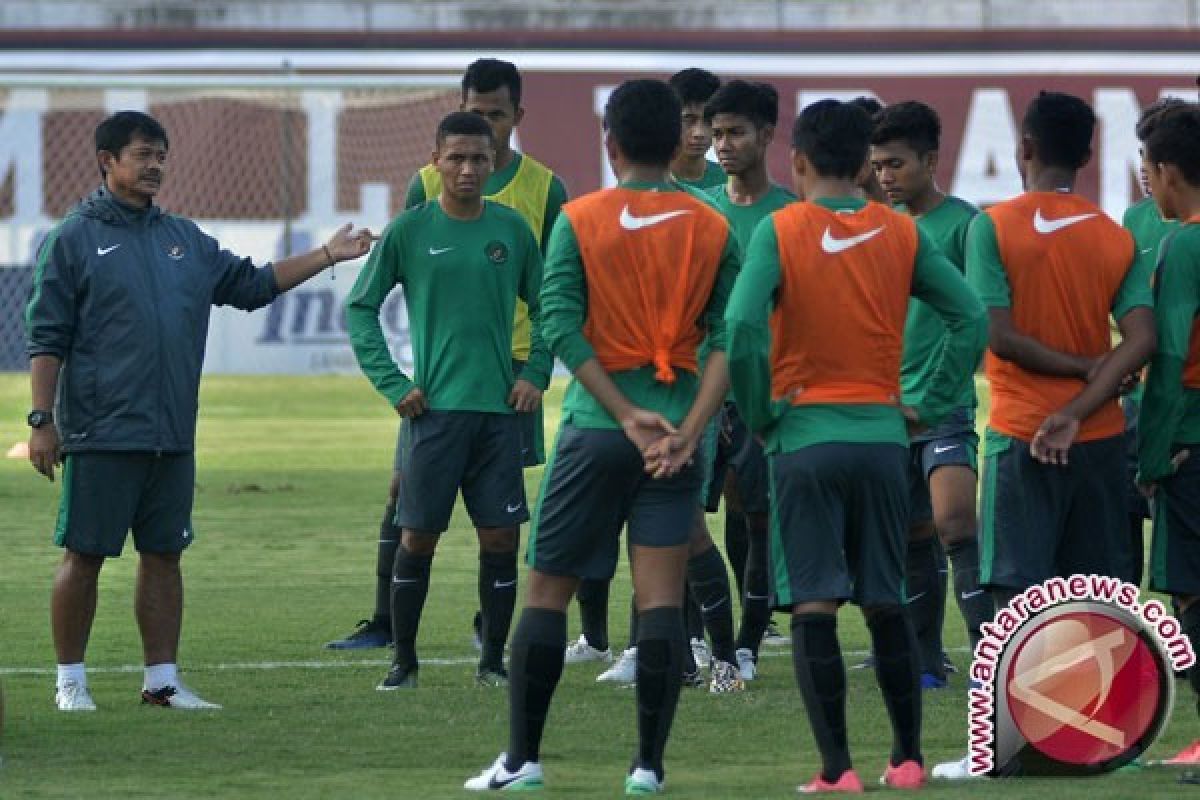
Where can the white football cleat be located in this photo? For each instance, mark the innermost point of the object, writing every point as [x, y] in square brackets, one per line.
[643, 781]
[954, 770]
[700, 653]
[746, 664]
[177, 696]
[498, 778]
[580, 652]
[624, 671]
[74, 696]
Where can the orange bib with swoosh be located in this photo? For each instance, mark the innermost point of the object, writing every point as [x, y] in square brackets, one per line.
[650, 259]
[838, 327]
[1065, 261]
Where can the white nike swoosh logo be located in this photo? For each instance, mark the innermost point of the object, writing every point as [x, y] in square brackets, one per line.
[916, 597]
[1147, 250]
[513, 509]
[1043, 225]
[404, 581]
[438, 251]
[631, 223]
[708, 609]
[832, 245]
[103, 251]
[969, 595]
[946, 449]
[509, 584]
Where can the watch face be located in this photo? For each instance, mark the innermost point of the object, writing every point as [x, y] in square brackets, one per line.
[37, 419]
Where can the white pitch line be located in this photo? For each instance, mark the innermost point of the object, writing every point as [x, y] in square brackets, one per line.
[253, 666]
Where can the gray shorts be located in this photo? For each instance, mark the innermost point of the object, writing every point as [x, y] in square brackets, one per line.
[594, 485]
[441, 452]
[1038, 521]
[957, 449]
[839, 524]
[105, 495]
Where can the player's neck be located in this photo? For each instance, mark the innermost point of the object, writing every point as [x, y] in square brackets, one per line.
[689, 168]
[926, 201]
[464, 210]
[643, 173]
[1189, 206]
[504, 157]
[1052, 179]
[747, 188]
[822, 188]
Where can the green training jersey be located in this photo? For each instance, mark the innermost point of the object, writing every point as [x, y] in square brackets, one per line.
[461, 282]
[713, 176]
[924, 331]
[1148, 227]
[1170, 413]
[496, 184]
[744, 219]
[788, 427]
[565, 300]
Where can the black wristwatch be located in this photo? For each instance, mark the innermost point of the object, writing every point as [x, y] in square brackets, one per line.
[39, 419]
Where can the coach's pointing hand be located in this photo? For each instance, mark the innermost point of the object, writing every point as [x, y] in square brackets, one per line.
[45, 450]
[347, 244]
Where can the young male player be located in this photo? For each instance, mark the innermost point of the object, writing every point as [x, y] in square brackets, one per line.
[942, 462]
[1169, 424]
[635, 277]
[1051, 269]
[1149, 229]
[491, 89]
[742, 117]
[691, 167]
[463, 261]
[816, 325]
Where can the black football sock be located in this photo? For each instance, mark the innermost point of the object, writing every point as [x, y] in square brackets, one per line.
[693, 618]
[898, 672]
[497, 598]
[538, 646]
[659, 666]
[736, 546]
[410, 585]
[756, 611]
[921, 586]
[821, 676]
[974, 603]
[633, 621]
[710, 588]
[389, 540]
[1190, 621]
[593, 611]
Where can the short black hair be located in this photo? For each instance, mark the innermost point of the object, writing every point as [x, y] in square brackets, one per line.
[1176, 140]
[119, 129]
[834, 136]
[694, 85]
[758, 102]
[644, 116]
[463, 123]
[912, 122]
[490, 74]
[867, 104]
[1148, 119]
[1062, 126]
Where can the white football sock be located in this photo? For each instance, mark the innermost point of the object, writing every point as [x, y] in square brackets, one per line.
[160, 675]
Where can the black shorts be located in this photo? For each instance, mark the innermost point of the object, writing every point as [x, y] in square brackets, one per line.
[441, 452]
[954, 443]
[105, 495]
[738, 451]
[839, 524]
[1039, 521]
[533, 450]
[594, 485]
[1175, 547]
[1136, 504]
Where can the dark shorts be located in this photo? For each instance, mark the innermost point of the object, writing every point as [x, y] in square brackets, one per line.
[738, 451]
[1038, 521]
[533, 449]
[1135, 502]
[839, 524]
[1175, 547]
[954, 443]
[105, 495]
[594, 485]
[441, 452]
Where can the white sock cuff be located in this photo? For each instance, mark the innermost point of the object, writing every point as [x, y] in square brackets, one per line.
[160, 675]
[71, 673]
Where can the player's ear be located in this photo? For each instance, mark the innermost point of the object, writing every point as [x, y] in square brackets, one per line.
[433, 157]
[613, 151]
[518, 116]
[1086, 158]
[800, 167]
[931, 161]
[767, 132]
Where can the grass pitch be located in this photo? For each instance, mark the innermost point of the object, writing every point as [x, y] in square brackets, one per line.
[292, 477]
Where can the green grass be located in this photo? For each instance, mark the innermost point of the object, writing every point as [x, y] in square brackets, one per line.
[292, 474]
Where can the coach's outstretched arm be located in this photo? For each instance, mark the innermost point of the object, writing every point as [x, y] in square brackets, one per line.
[346, 244]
